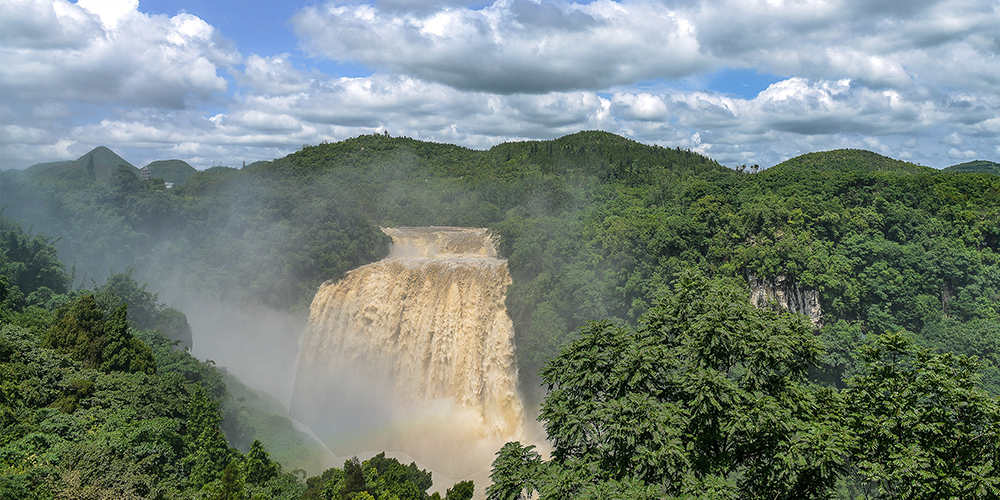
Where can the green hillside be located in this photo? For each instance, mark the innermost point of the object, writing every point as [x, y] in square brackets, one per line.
[176, 171]
[98, 163]
[890, 260]
[606, 156]
[593, 225]
[848, 159]
[51, 168]
[100, 402]
[105, 162]
[977, 166]
[256, 163]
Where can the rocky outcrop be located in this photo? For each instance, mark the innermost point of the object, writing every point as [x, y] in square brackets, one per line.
[787, 294]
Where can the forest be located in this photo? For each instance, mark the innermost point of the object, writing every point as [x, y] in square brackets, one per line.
[98, 403]
[902, 264]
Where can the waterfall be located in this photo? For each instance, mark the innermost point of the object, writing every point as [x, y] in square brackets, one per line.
[415, 352]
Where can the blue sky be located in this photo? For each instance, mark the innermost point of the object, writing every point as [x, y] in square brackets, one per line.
[741, 81]
[258, 27]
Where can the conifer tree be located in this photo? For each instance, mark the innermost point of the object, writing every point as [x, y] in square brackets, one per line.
[207, 450]
[122, 351]
[259, 468]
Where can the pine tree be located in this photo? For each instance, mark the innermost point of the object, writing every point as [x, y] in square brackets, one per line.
[91, 172]
[354, 478]
[461, 491]
[122, 351]
[232, 485]
[259, 468]
[206, 446]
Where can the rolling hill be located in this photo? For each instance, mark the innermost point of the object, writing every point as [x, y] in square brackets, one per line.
[977, 166]
[98, 163]
[175, 171]
[849, 159]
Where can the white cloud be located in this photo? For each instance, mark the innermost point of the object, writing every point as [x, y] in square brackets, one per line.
[952, 139]
[107, 52]
[537, 46]
[25, 135]
[988, 128]
[917, 78]
[791, 117]
[877, 145]
[961, 155]
[880, 44]
[511, 46]
[28, 25]
[28, 152]
[272, 75]
[642, 106]
[111, 12]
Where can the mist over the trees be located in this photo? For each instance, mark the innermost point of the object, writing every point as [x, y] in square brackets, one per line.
[593, 226]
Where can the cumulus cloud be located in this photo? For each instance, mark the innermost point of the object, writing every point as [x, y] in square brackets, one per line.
[916, 79]
[952, 139]
[642, 106]
[108, 52]
[273, 75]
[515, 46]
[959, 154]
[790, 117]
[511, 46]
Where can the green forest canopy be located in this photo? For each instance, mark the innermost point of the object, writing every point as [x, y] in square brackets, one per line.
[709, 398]
[593, 226]
[96, 403]
[976, 166]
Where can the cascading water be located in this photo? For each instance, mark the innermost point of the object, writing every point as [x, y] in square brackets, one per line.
[415, 353]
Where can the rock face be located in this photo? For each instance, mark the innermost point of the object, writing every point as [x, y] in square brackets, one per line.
[787, 294]
[422, 335]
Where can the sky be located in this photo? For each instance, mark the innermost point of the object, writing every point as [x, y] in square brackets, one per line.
[740, 81]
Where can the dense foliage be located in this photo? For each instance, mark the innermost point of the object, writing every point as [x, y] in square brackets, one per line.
[92, 406]
[885, 248]
[593, 226]
[699, 394]
[379, 478]
[709, 398]
[223, 232]
[28, 262]
[978, 166]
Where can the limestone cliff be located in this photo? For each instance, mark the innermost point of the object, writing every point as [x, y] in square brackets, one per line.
[787, 294]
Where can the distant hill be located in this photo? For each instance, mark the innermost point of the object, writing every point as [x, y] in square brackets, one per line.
[849, 159]
[175, 171]
[977, 166]
[101, 160]
[51, 168]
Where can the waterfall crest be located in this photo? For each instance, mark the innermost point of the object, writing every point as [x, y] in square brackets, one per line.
[424, 328]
